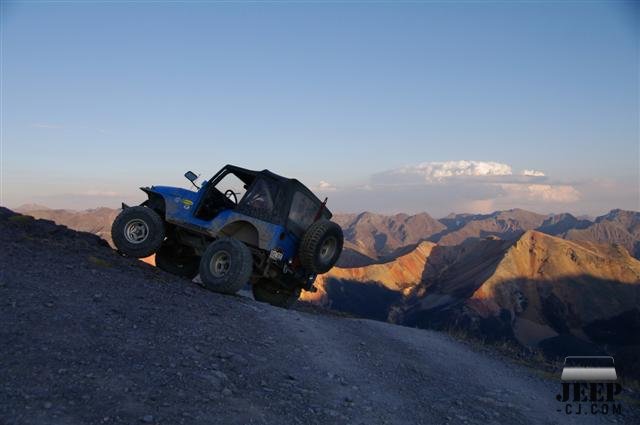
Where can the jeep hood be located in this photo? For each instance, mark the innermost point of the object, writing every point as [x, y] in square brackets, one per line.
[170, 191]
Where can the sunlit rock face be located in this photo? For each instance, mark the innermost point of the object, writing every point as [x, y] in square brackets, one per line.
[372, 290]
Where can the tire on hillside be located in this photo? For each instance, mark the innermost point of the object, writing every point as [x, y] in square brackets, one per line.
[178, 260]
[226, 266]
[137, 232]
[321, 246]
[270, 292]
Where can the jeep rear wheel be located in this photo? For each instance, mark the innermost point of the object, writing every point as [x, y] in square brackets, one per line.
[270, 292]
[177, 259]
[226, 266]
[137, 232]
[321, 246]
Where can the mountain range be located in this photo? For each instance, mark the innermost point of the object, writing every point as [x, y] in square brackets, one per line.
[555, 283]
[373, 237]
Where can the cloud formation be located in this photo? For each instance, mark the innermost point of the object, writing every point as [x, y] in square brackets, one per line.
[324, 186]
[533, 173]
[438, 171]
[460, 185]
[484, 176]
[541, 192]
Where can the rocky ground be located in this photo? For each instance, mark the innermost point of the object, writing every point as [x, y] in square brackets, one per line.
[89, 337]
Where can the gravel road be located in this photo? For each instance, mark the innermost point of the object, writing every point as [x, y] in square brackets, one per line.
[89, 337]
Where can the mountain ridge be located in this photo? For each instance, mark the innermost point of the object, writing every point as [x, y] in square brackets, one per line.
[374, 238]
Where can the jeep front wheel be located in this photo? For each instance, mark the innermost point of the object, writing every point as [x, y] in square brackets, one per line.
[137, 232]
[321, 246]
[226, 266]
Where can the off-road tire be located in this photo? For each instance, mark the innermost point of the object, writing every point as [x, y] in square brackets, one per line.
[270, 292]
[239, 266]
[177, 260]
[313, 244]
[124, 238]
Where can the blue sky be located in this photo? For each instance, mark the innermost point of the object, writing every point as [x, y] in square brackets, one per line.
[101, 98]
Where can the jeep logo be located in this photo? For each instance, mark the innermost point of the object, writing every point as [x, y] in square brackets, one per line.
[589, 386]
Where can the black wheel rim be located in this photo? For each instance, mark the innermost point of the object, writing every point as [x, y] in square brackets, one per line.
[220, 263]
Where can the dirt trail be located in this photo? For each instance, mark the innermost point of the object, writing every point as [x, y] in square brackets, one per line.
[89, 337]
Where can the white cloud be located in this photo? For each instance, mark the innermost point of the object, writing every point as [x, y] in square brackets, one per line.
[325, 186]
[541, 192]
[533, 173]
[430, 172]
[460, 185]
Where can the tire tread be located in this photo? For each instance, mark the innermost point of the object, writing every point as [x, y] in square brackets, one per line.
[311, 241]
[153, 241]
[238, 276]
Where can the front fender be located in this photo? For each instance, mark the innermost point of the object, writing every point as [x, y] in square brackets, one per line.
[173, 203]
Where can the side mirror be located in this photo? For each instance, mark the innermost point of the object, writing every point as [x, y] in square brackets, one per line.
[192, 177]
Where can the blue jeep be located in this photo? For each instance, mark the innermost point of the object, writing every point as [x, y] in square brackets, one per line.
[240, 226]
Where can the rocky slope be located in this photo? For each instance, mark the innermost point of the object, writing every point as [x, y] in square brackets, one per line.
[559, 224]
[92, 337]
[352, 256]
[504, 224]
[619, 226]
[376, 235]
